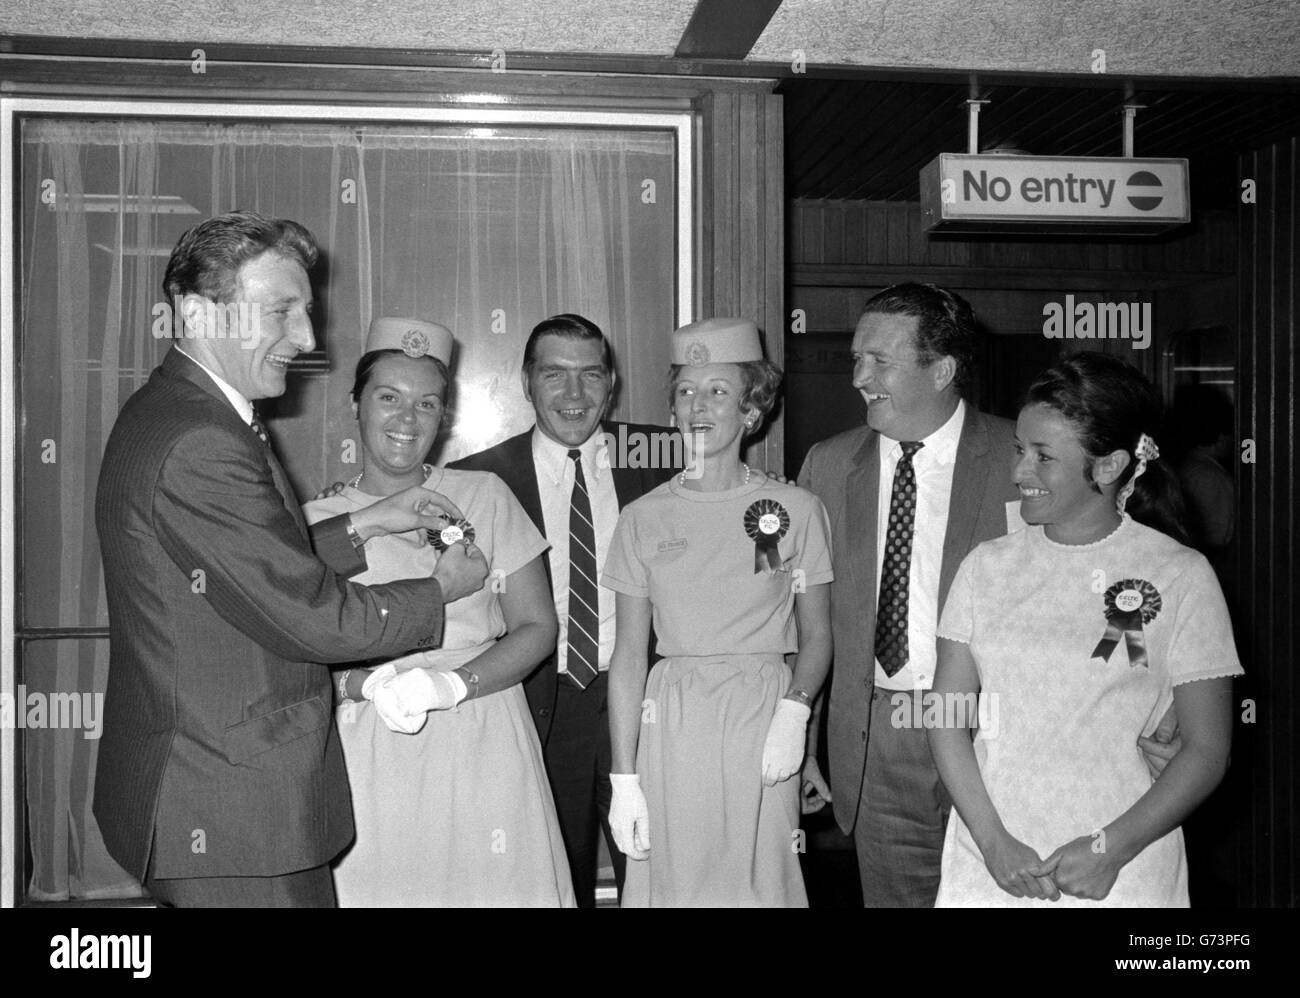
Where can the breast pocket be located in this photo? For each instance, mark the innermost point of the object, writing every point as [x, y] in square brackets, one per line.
[250, 738]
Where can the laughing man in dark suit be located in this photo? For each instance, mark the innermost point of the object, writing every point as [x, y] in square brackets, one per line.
[568, 376]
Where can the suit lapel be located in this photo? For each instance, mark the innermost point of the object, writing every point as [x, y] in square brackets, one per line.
[970, 477]
[286, 492]
[629, 483]
[520, 476]
[178, 365]
[861, 497]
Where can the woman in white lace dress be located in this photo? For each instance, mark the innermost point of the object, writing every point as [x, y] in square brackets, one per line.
[1077, 633]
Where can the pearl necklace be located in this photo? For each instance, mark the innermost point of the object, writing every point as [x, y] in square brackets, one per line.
[427, 468]
[682, 478]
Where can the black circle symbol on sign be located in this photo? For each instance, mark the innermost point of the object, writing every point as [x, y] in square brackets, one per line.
[1145, 202]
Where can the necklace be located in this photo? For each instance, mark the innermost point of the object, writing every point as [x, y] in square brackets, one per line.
[682, 478]
[427, 468]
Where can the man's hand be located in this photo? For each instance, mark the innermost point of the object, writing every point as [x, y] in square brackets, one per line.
[411, 509]
[816, 792]
[779, 479]
[461, 571]
[1163, 744]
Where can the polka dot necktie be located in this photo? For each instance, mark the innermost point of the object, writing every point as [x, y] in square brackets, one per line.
[895, 570]
[257, 427]
[584, 597]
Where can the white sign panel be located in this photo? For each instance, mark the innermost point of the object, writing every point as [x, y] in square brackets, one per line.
[1049, 189]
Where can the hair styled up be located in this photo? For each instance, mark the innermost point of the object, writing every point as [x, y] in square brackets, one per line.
[761, 382]
[1111, 405]
[569, 326]
[945, 326]
[366, 367]
[207, 258]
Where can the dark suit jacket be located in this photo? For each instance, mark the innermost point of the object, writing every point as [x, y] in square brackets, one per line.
[219, 751]
[844, 472]
[512, 461]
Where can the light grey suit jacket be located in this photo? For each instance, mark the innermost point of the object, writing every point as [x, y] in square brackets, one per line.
[844, 472]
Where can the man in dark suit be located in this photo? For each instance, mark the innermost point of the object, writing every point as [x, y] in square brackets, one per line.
[909, 495]
[220, 779]
[568, 376]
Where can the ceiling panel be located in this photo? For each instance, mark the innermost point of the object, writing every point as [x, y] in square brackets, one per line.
[580, 26]
[1234, 38]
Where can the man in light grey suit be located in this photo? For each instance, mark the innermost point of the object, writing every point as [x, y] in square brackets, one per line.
[909, 495]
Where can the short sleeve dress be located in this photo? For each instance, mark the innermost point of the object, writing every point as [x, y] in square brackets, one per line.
[460, 813]
[1079, 648]
[723, 612]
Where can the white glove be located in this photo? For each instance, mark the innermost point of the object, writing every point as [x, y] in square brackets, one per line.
[377, 691]
[403, 699]
[420, 690]
[783, 750]
[629, 818]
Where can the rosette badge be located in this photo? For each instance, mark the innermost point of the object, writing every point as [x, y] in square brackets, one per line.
[453, 533]
[1129, 604]
[766, 522]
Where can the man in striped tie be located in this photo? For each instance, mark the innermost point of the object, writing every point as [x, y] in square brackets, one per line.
[573, 486]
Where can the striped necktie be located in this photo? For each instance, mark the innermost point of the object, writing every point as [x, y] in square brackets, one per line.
[895, 570]
[584, 597]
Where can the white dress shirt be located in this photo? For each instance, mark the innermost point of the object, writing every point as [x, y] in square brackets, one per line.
[933, 464]
[241, 404]
[555, 489]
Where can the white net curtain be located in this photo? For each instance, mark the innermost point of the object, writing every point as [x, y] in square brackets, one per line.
[487, 230]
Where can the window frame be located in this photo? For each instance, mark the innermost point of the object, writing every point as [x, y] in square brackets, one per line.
[682, 124]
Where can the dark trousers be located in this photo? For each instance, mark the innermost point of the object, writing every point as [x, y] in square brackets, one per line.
[903, 811]
[312, 888]
[578, 763]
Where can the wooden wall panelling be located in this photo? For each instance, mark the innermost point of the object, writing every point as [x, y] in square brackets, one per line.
[1266, 522]
[742, 228]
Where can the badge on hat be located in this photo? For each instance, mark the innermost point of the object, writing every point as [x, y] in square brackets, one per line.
[717, 341]
[414, 337]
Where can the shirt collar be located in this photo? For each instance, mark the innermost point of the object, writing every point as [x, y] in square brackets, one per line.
[552, 457]
[241, 404]
[941, 445]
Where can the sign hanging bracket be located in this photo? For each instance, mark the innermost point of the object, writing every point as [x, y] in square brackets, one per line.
[973, 104]
[1131, 108]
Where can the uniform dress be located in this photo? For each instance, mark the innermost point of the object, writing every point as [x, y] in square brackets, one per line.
[1057, 745]
[718, 837]
[460, 813]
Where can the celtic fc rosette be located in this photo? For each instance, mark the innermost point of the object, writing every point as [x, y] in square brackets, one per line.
[1130, 603]
[454, 532]
[766, 522]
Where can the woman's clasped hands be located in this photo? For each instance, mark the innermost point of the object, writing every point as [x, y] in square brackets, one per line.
[1082, 868]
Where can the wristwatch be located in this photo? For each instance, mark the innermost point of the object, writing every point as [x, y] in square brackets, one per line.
[799, 696]
[353, 536]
